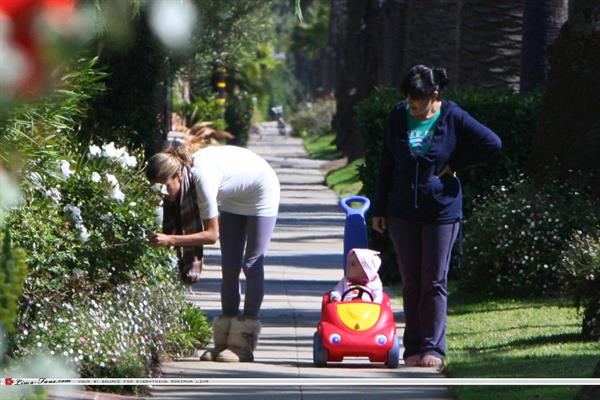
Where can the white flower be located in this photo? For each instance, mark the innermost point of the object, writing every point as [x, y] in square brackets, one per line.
[65, 169]
[36, 180]
[112, 180]
[75, 214]
[116, 194]
[110, 151]
[173, 260]
[10, 196]
[95, 151]
[158, 213]
[54, 195]
[131, 161]
[83, 236]
[96, 177]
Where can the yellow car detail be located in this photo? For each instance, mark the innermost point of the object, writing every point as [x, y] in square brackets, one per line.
[358, 316]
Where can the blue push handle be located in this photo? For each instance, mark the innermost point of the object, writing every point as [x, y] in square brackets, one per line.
[355, 228]
[344, 203]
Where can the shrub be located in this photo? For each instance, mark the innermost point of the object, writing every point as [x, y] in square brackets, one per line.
[238, 116]
[313, 119]
[97, 294]
[116, 334]
[197, 332]
[85, 227]
[12, 275]
[581, 260]
[201, 109]
[515, 235]
[513, 117]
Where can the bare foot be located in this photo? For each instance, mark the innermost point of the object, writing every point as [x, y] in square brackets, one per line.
[413, 361]
[430, 361]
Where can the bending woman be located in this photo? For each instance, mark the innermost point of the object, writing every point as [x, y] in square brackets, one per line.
[237, 196]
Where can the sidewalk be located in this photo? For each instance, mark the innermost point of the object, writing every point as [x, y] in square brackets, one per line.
[303, 262]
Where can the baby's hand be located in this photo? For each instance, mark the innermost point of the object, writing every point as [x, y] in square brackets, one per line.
[334, 296]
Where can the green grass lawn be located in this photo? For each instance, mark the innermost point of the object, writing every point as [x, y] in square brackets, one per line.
[344, 181]
[516, 339]
[321, 147]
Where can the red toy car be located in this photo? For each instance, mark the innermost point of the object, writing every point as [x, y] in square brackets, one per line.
[356, 328]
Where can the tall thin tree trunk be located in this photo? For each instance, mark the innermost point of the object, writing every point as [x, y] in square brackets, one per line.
[542, 20]
[337, 38]
[359, 73]
[490, 51]
[392, 36]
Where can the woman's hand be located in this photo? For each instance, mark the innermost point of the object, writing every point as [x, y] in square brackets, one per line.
[160, 239]
[379, 224]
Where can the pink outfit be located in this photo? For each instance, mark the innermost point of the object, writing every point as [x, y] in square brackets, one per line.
[370, 262]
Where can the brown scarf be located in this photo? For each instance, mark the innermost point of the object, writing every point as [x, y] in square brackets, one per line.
[182, 217]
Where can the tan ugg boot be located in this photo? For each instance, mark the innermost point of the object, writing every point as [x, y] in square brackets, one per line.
[221, 325]
[242, 340]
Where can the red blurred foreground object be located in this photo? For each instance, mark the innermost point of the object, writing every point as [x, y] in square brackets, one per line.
[18, 18]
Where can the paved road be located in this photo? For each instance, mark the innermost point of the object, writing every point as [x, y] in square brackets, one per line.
[304, 261]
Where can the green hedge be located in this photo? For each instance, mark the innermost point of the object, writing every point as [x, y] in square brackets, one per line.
[516, 232]
[512, 116]
[238, 116]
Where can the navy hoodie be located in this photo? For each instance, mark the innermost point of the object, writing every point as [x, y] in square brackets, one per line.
[408, 186]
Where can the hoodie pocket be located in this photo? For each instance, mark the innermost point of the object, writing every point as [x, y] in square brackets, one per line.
[445, 190]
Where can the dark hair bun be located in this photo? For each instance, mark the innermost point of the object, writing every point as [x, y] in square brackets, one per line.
[440, 75]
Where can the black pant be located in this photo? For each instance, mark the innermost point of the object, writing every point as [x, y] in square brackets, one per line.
[423, 255]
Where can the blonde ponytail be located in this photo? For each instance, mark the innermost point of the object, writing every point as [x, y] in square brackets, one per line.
[166, 164]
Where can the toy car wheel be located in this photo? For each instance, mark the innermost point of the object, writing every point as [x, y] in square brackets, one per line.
[319, 352]
[394, 354]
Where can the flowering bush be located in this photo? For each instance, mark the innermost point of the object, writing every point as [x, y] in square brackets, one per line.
[118, 334]
[516, 233]
[86, 227]
[581, 260]
[313, 119]
[96, 292]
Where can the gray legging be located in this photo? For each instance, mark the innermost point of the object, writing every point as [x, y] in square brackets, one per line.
[237, 232]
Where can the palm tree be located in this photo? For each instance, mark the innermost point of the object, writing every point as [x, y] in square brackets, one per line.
[393, 37]
[432, 35]
[357, 75]
[490, 48]
[542, 20]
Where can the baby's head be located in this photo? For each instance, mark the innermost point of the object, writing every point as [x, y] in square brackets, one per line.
[362, 265]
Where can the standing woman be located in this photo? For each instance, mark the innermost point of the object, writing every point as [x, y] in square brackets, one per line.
[418, 197]
[237, 197]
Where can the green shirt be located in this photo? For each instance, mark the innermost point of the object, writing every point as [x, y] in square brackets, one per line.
[420, 132]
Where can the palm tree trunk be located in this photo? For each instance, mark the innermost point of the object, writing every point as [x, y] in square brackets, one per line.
[433, 35]
[393, 37]
[358, 73]
[542, 20]
[490, 50]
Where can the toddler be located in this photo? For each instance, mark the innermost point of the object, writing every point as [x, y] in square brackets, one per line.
[361, 269]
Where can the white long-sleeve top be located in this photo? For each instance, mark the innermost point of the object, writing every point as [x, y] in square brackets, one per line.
[235, 180]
